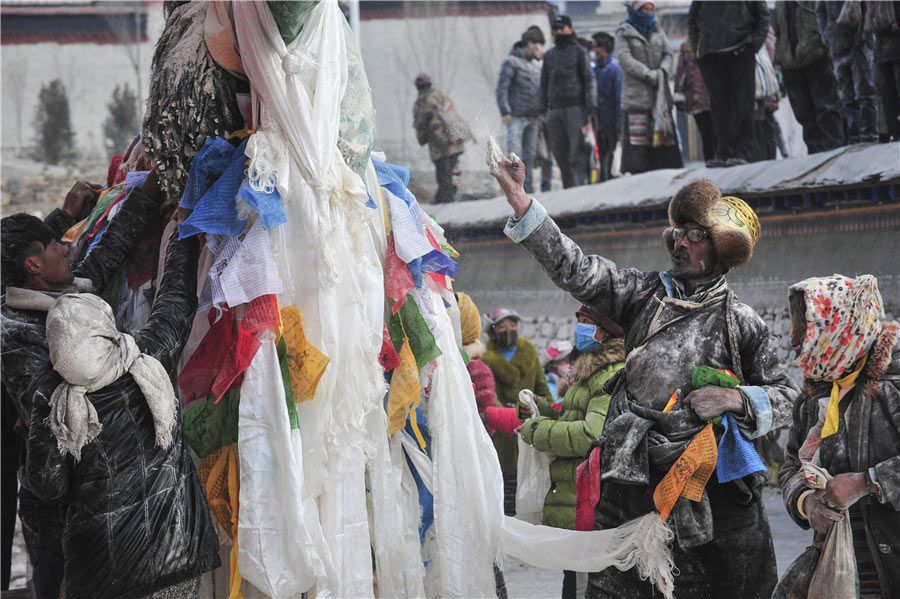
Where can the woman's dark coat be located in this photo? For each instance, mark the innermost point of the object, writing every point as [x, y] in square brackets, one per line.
[872, 438]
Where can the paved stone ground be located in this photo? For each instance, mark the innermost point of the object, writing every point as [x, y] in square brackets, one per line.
[523, 581]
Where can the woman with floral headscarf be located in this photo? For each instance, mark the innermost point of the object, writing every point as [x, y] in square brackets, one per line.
[848, 423]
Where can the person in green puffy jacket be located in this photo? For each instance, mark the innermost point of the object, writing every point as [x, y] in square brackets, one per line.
[569, 432]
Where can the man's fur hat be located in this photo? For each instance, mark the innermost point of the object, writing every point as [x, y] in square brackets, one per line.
[732, 224]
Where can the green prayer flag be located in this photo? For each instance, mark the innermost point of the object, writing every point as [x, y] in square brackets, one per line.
[408, 322]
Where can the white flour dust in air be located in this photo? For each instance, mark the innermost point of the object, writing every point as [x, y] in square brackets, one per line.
[495, 157]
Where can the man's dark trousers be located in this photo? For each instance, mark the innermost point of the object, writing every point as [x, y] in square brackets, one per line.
[447, 176]
[567, 143]
[812, 91]
[606, 147]
[730, 78]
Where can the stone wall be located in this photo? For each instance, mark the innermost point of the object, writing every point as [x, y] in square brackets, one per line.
[542, 330]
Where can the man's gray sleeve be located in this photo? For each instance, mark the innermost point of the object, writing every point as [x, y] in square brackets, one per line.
[769, 393]
[591, 280]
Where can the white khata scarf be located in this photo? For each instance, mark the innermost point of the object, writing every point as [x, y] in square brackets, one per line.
[89, 352]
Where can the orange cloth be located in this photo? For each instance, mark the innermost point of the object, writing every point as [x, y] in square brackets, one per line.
[689, 474]
[305, 362]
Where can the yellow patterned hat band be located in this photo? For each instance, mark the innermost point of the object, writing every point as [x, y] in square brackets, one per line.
[734, 213]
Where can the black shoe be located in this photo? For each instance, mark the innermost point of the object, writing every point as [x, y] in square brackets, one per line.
[735, 162]
[716, 163]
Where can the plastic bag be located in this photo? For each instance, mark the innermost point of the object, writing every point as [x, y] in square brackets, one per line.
[590, 139]
[766, 78]
[533, 475]
[794, 583]
[835, 576]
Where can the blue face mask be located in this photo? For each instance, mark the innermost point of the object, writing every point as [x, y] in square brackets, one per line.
[584, 337]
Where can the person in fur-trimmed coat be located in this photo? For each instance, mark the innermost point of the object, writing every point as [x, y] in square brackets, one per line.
[569, 433]
[847, 421]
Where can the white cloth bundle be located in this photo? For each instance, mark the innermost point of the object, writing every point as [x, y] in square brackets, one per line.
[89, 352]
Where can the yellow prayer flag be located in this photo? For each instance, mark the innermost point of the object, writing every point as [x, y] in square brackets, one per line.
[403, 394]
[306, 363]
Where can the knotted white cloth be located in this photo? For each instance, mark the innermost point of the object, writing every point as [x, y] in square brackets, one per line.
[89, 352]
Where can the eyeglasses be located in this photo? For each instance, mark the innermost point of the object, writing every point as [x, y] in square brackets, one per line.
[693, 235]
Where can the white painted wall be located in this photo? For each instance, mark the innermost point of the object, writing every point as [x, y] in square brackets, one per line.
[463, 57]
[89, 72]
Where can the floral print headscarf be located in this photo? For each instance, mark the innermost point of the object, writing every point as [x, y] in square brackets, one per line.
[843, 319]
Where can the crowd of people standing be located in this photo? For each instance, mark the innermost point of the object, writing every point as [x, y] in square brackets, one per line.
[837, 63]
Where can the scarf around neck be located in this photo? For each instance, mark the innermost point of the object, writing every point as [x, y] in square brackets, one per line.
[642, 21]
[89, 353]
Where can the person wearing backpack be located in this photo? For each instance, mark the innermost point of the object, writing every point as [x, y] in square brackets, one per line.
[438, 125]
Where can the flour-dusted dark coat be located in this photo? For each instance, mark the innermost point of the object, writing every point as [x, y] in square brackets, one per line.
[667, 335]
[24, 343]
[868, 436]
[136, 517]
[523, 371]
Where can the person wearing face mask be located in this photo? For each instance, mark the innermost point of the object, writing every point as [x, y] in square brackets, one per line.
[569, 433]
[846, 421]
[515, 364]
[646, 61]
[568, 100]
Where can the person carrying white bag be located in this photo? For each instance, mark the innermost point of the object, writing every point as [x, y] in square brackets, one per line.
[557, 441]
[841, 474]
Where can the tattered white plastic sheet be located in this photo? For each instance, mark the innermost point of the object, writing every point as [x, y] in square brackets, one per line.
[281, 547]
